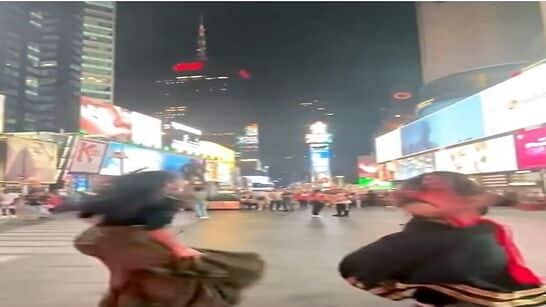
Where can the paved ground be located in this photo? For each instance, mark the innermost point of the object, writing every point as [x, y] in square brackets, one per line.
[39, 267]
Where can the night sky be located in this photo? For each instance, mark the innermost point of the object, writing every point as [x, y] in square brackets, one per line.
[351, 56]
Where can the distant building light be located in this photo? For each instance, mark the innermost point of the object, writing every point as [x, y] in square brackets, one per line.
[306, 104]
[330, 114]
[196, 77]
[210, 78]
[244, 74]
[402, 95]
[188, 66]
[321, 108]
[397, 116]
[223, 78]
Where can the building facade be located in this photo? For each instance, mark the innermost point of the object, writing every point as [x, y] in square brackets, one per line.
[51, 54]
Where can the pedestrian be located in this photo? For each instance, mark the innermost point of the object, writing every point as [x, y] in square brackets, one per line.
[448, 253]
[200, 194]
[275, 200]
[317, 199]
[287, 200]
[341, 202]
[262, 200]
[8, 200]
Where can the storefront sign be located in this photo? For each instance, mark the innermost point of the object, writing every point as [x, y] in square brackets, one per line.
[87, 156]
[531, 148]
[496, 155]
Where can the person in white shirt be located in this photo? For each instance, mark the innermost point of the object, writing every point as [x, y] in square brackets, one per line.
[8, 198]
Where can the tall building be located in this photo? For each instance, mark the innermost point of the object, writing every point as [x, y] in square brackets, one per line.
[51, 54]
[172, 114]
[215, 92]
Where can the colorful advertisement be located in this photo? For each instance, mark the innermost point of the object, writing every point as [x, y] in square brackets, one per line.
[320, 162]
[367, 166]
[105, 119]
[496, 155]
[146, 130]
[125, 158]
[531, 148]
[174, 163]
[248, 143]
[30, 160]
[414, 166]
[388, 146]
[182, 138]
[87, 156]
[516, 103]
[455, 124]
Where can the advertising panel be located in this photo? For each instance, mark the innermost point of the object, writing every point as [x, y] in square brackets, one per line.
[414, 166]
[320, 162]
[146, 130]
[388, 146]
[516, 103]
[125, 158]
[87, 156]
[248, 143]
[496, 155]
[182, 138]
[457, 123]
[366, 166]
[30, 160]
[174, 163]
[100, 118]
[531, 148]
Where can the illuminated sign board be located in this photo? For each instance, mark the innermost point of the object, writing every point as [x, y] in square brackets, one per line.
[319, 134]
[146, 130]
[87, 156]
[182, 138]
[531, 148]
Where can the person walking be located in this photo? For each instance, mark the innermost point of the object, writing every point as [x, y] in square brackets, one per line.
[317, 199]
[275, 200]
[342, 203]
[8, 199]
[200, 207]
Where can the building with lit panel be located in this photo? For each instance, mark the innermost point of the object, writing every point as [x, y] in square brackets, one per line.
[51, 55]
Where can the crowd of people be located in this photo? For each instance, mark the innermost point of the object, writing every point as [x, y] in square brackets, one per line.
[341, 199]
[36, 202]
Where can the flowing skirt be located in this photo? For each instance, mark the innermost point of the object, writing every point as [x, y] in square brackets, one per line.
[438, 264]
[143, 273]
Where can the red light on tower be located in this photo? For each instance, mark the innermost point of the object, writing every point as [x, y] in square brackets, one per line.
[245, 74]
[188, 66]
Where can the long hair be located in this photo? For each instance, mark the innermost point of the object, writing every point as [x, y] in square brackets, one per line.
[127, 194]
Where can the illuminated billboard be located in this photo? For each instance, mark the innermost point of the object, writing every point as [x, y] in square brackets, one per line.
[388, 146]
[87, 156]
[146, 130]
[320, 162]
[489, 156]
[124, 158]
[454, 124]
[174, 163]
[182, 138]
[531, 148]
[414, 166]
[104, 119]
[516, 103]
[30, 160]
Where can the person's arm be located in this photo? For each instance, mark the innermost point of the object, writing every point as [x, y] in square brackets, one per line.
[168, 239]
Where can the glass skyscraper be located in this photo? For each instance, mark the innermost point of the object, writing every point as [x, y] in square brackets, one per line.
[51, 54]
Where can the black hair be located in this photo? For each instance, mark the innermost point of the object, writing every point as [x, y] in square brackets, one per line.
[127, 194]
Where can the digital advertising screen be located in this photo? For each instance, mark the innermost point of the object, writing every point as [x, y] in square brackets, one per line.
[29, 159]
[124, 158]
[87, 156]
[495, 155]
[456, 123]
[388, 146]
[146, 130]
[531, 148]
[516, 103]
[320, 162]
[174, 163]
[105, 119]
[182, 138]
[415, 166]
[366, 166]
